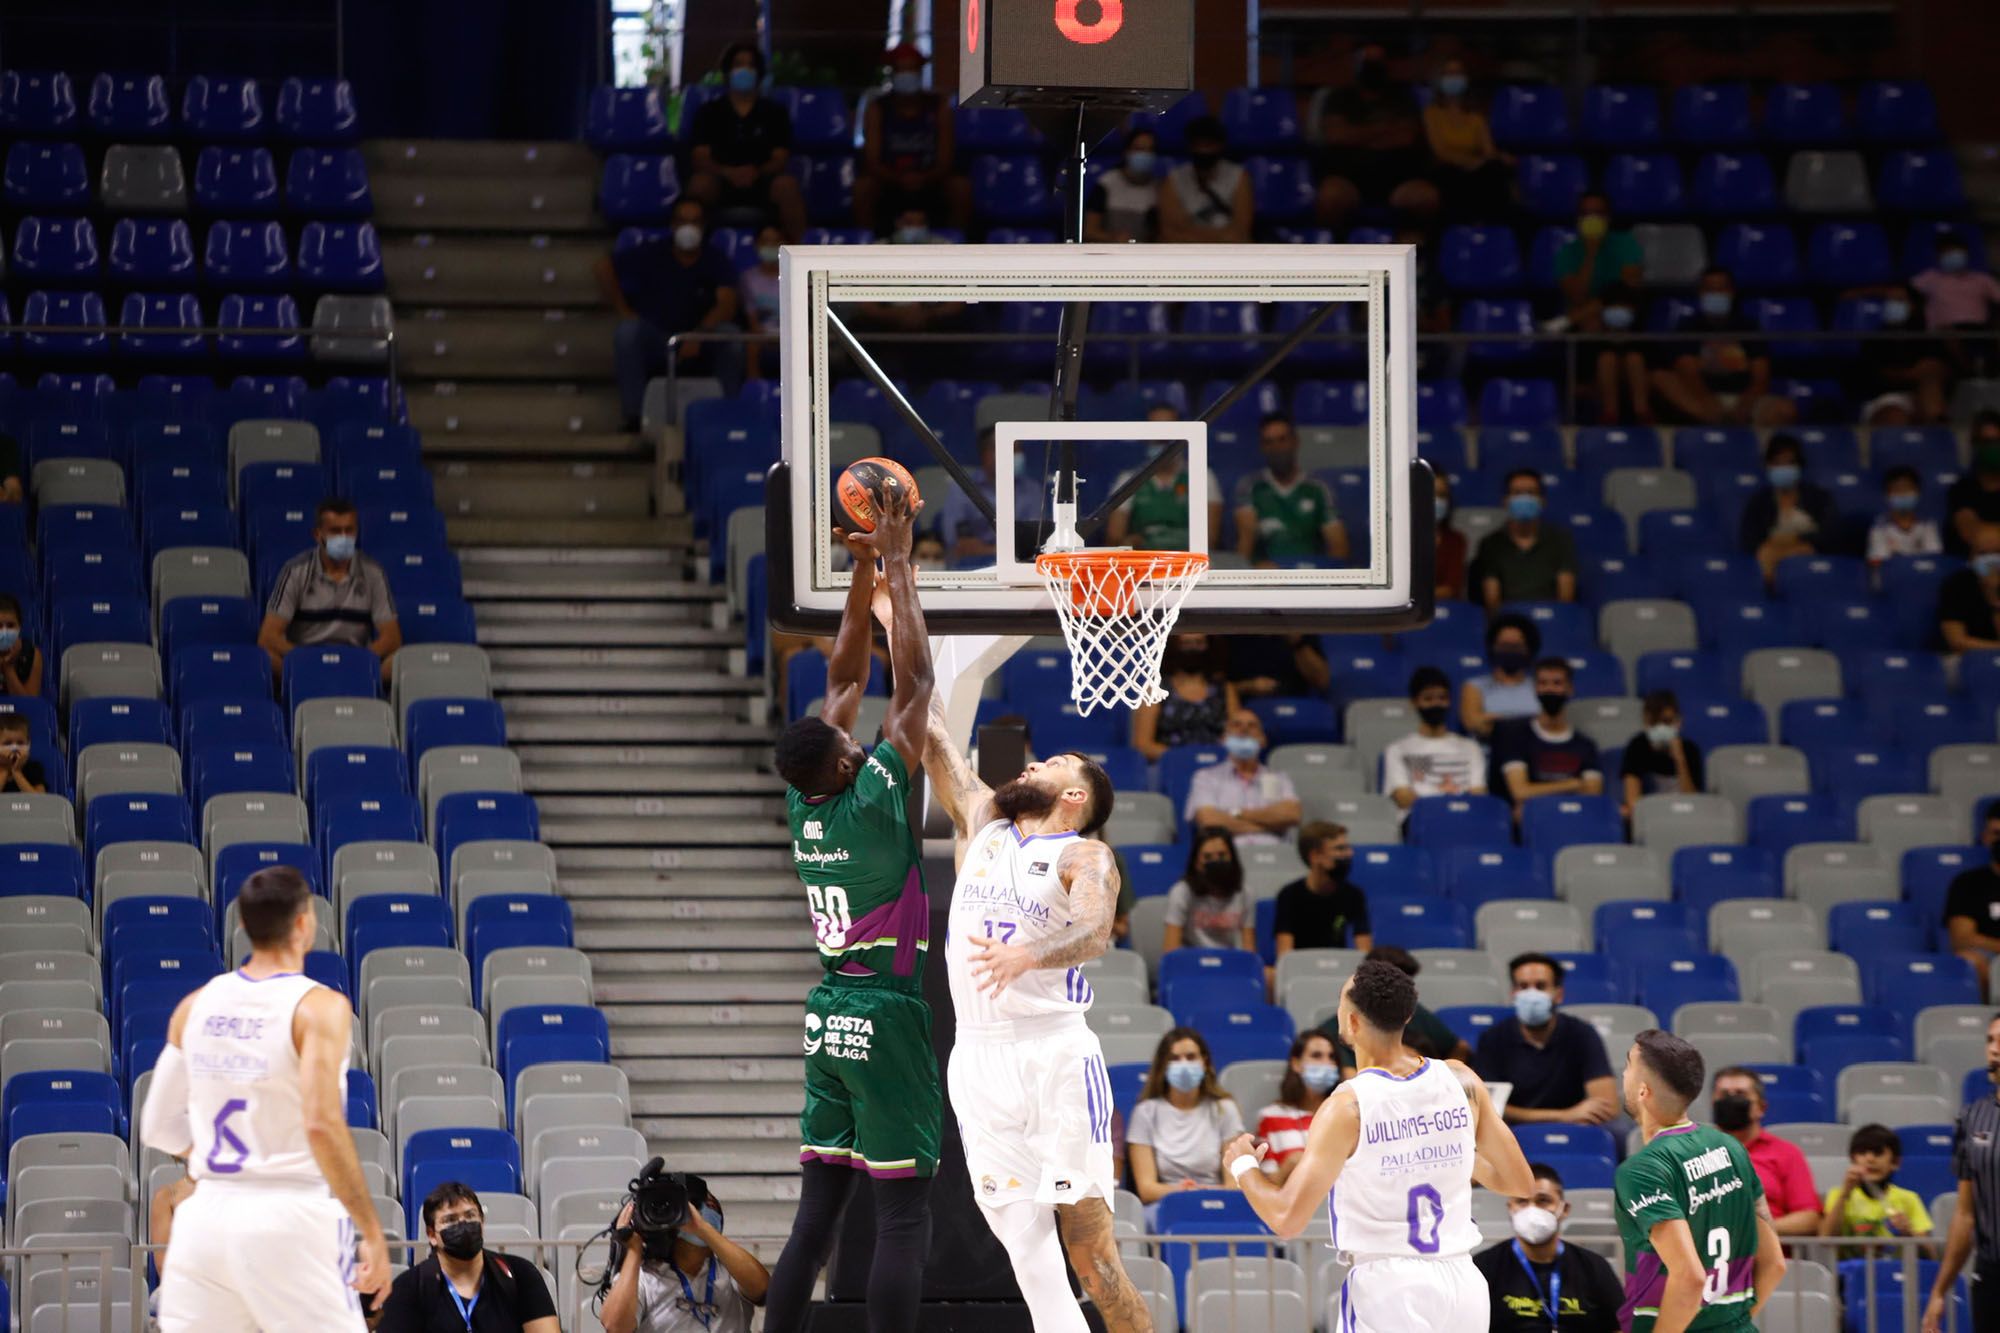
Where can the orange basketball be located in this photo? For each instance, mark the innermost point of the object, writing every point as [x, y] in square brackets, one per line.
[861, 489]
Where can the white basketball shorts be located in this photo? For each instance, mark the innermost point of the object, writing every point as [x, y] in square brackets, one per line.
[1035, 1115]
[250, 1257]
[1413, 1296]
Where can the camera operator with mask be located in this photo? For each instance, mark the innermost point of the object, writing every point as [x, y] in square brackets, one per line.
[464, 1287]
[687, 1278]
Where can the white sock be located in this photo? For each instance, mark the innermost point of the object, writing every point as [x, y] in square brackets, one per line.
[1028, 1230]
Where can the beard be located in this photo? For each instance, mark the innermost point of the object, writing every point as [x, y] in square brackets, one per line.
[1022, 799]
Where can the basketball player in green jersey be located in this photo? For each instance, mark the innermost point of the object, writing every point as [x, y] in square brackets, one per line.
[872, 1100]
[1700, 1251]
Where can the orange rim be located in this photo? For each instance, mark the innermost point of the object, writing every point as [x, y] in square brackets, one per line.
[1101, 582]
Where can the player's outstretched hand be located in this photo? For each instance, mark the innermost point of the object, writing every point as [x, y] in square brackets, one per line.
[996, 966]
[895, 523]
[860, 545]
[371, 1274]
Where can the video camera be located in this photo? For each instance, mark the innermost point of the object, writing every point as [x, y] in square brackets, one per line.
[661, 1202]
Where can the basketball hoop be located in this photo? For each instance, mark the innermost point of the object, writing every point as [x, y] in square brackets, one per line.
[1117, 608]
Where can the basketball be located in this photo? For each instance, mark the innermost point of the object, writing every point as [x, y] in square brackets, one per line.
[862, 487]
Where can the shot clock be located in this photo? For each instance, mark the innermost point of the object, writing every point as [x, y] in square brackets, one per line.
[1125, 55]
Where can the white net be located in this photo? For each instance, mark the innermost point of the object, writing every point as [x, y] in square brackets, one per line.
[1117, 609]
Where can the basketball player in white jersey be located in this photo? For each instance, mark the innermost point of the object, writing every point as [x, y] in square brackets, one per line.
[251, 1089]
[1034, 902]
[1394, 1151]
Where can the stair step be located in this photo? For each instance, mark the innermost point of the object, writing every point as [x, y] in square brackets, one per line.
[606, 446]
[562, 580]
[512, 344]
[749, 1043]
[655, 831]
[686, 638]
[692, 617]
[683, 789]
[717, 1069]
[537, 270]
[447, 407]
[690, 710]
[684, 685]
[638, 728]
[512, 159]
[636, 1019]
[580, 886]
[731, 761]
[436, 201]
[577, 490]
[748, 1156]
[723, 987]
[641, 917]
[755, 1127]
[720, 1097]
[679, 659]
[687, 806]
[687, 860]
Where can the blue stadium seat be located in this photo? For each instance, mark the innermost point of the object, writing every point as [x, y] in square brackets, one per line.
[222, 770]
[1261, 120]
[1828, 1055]
[1241, 1032]
[1281, 188]
[1480, 258]
[821, 121]
[1896, 111]
[1645, 185]
[54, 250]
[221, 671]
[1003, 130]
[1779, 823]
[418, 914]
[239, 861]
[1548, 824]
[1153, 866]
[36, 101]
[1863, 928]
[119, 721]
[1712, 113]
[317, 110]
[236, 180]
[638, 189]
[1178, 766]
[1518, 402]
[45, 176]
[152, 250]
[1530, 115]
[214, 722]
[1419, 921]
[472, 816]
[246, 254]
[165, 313]
[354, 770]
[1220, 976]
[340, 256]
[1665, 984]
[222, 108]
[1440, 404]
[1849, 774]
[41, 868]
[454, 1147]
[1849, 254]
[1446, 823]
[626, 120]
[250, 314]
[1805, 114]
[1011, 190]
[328, 183]
[1394, 869]
[437, 620]
[1474, 876]
[60, 1100]
[454, 722]
[1920, 180]
[1599, 449]
[538, 1034]
[125, 107]
[1289, 720]
[1759, 256]
[1637, 945]
[1911, 983]
[135, 818]
[1551, 184]
[506, 921]
[1621, 115]
[1539, 1140]
[324, 670]
[1643, 917]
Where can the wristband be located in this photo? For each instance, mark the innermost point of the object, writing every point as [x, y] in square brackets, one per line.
[1243, 1165]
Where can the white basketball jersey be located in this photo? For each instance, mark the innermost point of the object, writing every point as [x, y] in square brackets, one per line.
[244, 1103]
[1008, 891]
[1407, 1190]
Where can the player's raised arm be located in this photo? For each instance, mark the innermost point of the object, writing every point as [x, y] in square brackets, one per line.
[1499, 1164]
[907, 725]
[323, 1026]
[1286, 1208]
[853, 648]
[958, 789]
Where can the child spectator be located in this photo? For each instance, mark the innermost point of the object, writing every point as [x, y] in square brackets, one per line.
[1659, 759]
[1956, 295]
[20, 661]
[1310, 1075]
[1899, 531]
[18, 772]
[1868, 1202]
[1207, 908]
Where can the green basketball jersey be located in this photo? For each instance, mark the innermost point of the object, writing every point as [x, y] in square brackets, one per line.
[1160, 515]
[1703, 1177]
[1290, 518]
[863, 870]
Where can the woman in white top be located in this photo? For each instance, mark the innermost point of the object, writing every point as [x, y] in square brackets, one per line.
[1124, 203]
[1207, 907]
[1181, 1122]
[1314, 1072]
[1507, 690]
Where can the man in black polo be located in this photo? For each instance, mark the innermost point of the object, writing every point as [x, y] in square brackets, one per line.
[1555, 1063]
[1540, 1285]
[464, 1287]
[331, 594]
[1975, 1223]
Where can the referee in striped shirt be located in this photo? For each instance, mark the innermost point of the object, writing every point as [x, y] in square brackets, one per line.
[1975, 1223]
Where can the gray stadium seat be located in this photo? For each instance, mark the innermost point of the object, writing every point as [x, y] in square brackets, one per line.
[1891, 1078]
[1442, 991]
[70, 1217]
[1744, 928]
[1587, 874]
[410, 1084]
[619, 1142]
[1776, 676]
[1965, 771]
[1268, 867]
[200, 571]
[54, 1024]
[34, 965]
[745, 540]
[143, 178]
[45, 817]
[341, 721]
[562, 1176]
[462, 1111]
[78, 481]
[1609, 723]
[1674, 254]
[1251, 1311]
[109, 670]
[510, 992]
[1727, 1017]
[1371, 726]
[1327, 964]
[1742, 1048]
[1149, 924]
[1778, 965]
[176, 857]
[74, 1319]
[394, 1051]
[532, 960]
[1743, 772]
[1509, 926]
[1945, 1034]
[1244, 1273]
[1128, 1048]
[1368, 819]
[1788, 995]
[1118, 963]
[271, 440]
[1617, 1024]
[40, 909]
[65, 994]
[1670, 821]
[414, 861]
[1637, 491]
[1881, 1108]
[1828, 182]
[1254, 1083]
[1824, 874]
[1894, 823]
[83, 1285]
[1301, 759]
[351, 328]
[1635, 626]
[445, 771]
[1141, 816]
[1310, 999]
[1146, 1020]
[500, 854]
[1798, 1312]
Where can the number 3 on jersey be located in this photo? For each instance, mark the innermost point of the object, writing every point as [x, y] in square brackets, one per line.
[1717, 1284]
[831, 921]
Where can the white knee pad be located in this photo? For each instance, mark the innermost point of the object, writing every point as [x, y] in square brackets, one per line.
[1028, 1230]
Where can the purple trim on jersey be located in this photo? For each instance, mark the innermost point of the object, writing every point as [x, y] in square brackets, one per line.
[1398, 1078]
[1346, 1310]
[1332, 1217]
[908, 919]
[1020, 841]
[1644, 1285]
[1689, 1128]
[273, 977]
[880, 1173]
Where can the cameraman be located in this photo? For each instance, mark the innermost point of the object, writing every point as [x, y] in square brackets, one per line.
[709, 1286]
[463, 1287]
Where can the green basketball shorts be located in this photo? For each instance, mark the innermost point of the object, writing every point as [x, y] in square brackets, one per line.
[872, 1095]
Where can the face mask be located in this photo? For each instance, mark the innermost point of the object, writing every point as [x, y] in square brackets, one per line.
[1223, 877]
[9, 636]
[1953, 261]
[1783, 476]
[1533, 1007]
[1442, 508]
[1340, 868]
[1895, 312]
[708, 1215]
[1139, 162]
[341, 547]
[1185, 1075]
[1552, 703]
[1902, 502]
[1204, 161]
[687, 236]
[1536, 1226]
[912, 235]
[1986, 455]
[1593, 226]
[906, 81]
[1320, 1078]
[1435, 715]
[767, 254]
[1511, 661]
[461, 1240]
[1618, 317]
[1716, 304]
[1241, 747]
[743, 79]
[1662, 734]
[1986, 566]
[1524, 508]
[1452, 85]
[1732, 1114]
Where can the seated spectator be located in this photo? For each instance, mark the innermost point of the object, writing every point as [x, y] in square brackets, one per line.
[907, 151]
[1972, 904]
[1310, 1074]
[11, 490]
[1529, 1274]
[464, 1285]
[1183, 1118]
[657, 1295]
[1448, 570]
[1969, 598]
[1960, 302]
[20, 772]
[757, 294]
[1281, 513]
[968, 534]
[1901, 530]
[1474, 179]
[1255, 802]
[1975, 497]
[1544, 755]
[20, 660]
[660, 288]
[1722, 380]
[1207, 907]
[1599, 258]
[1507, 690]
[1206, 200]
[1868, 1201]
[333, 593]
[1124, 202]
[927, 551]
[1431, 761]
[1659, 759]
[1326, 909]
[1788, 515]
[1264, 666]
[1530, 559]
[1618, 365]
[1198, 703]
[1738, 1109]
[741, 145]
[1902, 379]
[1427, 1034]
[1374, 154]
[1156, 517]
[1555, 1063]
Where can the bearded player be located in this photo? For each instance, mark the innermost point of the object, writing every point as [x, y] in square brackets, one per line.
[872, 1099]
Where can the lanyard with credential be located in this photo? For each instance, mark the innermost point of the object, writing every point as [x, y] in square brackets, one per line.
[465, 1307]
[704, 1311]
[1555, 1300]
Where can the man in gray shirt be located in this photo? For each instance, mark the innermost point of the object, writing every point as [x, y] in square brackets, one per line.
[331, 594]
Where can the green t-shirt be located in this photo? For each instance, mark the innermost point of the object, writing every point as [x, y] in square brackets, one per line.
[1703, 1177]
[862, 870]
[1619, 252]
[1160, 511]
[1290, 519]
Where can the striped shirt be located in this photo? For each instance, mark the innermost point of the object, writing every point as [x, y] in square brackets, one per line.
[1284, 1128]
[319, 609]
[1976, 1157]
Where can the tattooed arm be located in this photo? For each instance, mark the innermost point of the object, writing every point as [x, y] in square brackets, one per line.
[958, 789]
[1090, 873]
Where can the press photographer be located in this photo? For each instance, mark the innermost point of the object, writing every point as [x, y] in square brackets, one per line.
[464, 1287]
[678, 1273]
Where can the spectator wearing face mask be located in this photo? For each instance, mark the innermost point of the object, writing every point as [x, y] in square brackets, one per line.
[1900, 530]
[1206, 200]
[465, 1287]
[1124, 202]
[1281, 513]
[1537, 1283]
[1975, 498]
[1474, 179]
[1199, 699]
[1555, 1063]
[1959, 299]
[1530, 559]
[20, 660]
[1256, 803]
[1599, 257]
[1969, 600]
[1183, 1118]
[1426, 1035]
[907, 150]
[1207, 907]
[1326, 909]
[757, 293]
[1972, 904]
[1902, 378]
[1507, 688]
[709, 1284]
[1545, 755]
[20, 771]
[967, 533]
[1375, 155]
[333, 593]
[1311, 1072]
[1659, 759]
[1738, 1110]
[1432, 761]
[1618, 364]
[741, 144]
[1723, 379]
[1448, 571]
[663, 286]
[1788, 515]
